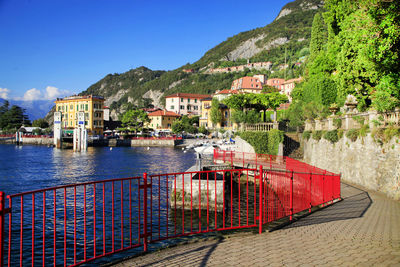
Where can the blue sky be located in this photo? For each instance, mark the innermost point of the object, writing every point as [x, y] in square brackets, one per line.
[51, 48]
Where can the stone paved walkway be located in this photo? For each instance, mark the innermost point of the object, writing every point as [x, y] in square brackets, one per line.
[361, 230]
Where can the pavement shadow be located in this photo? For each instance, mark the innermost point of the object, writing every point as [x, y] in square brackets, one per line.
[210, 249]
[354, 205]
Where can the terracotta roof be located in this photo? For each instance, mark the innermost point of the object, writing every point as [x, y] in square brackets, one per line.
[186, 95]
[227, 91]
[164, 113]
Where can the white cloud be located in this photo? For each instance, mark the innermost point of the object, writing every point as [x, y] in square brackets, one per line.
[4, 93]
[32, 94]
[50, 93]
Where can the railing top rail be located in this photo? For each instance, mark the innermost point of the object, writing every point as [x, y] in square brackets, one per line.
[72, 185]
[208, 171]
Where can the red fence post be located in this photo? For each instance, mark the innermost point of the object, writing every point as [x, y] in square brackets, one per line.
[260, 201]
[2, 212]
[231, 158]
[145, 211]
[323, 190]
[309, 210]
[291, 196]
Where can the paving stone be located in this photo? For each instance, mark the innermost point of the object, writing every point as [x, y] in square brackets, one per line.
[353, 232]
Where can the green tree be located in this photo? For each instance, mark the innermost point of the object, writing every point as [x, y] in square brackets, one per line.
[42, 123]
[215, 112]
[319, 36]
[135, 119]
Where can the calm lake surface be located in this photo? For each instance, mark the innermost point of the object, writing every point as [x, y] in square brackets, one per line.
[25, 168]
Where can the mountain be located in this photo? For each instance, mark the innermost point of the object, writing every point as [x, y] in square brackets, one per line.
[34, 109]
[288, 36]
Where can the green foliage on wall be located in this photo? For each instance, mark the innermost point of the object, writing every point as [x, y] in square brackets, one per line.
[332, 136]
[264, 142]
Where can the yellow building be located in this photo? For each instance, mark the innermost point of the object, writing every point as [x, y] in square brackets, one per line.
[91, 105]
[162, 119]
[205, 118]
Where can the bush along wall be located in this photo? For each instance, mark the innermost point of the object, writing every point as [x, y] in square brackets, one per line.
[264, 142]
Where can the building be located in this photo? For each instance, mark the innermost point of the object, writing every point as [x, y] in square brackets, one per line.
[205, 118]
[288, 86]
[261, 77]
[91, 105]
[247, 85]
[221, 95]
[162, 119]
[276, 82]
[184, 104]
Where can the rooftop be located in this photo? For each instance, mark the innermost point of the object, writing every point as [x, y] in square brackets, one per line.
[187, 95]
[164, 113]
[75, 97]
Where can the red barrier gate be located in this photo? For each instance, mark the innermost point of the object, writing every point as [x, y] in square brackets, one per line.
[74, 224]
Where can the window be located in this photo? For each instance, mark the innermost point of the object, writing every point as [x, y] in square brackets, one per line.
[182, 107]
[172, 107]
[188, 100]
[172, 100]
[195, 107]
[189, 107]
[71, 107]
[86, 107]
[226, 114]
[181, 99]
[195, 100]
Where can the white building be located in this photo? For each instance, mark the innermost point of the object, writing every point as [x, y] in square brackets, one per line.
[184, 103]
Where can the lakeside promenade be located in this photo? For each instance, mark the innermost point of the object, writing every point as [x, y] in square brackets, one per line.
[361, 230]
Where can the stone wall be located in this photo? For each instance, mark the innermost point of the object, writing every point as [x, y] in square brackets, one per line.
[363, 162]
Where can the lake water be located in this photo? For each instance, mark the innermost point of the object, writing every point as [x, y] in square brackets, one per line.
[25, 168]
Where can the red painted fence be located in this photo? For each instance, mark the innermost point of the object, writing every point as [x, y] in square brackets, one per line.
[74, 224]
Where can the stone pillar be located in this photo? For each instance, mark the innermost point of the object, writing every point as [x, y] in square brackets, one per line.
[330, 123]
[57, 131]
[372, 115]
[347, 121]
[276, 125]
[317, 125]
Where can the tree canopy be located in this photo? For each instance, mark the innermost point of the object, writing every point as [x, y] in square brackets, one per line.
[135, 119]
[12, 118]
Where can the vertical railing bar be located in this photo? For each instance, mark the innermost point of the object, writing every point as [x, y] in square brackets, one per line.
[33, 229]
[74, 224]
[183, 203]
[21, 231]
[84, 222]
[208, 213]
[104, 219]
[94, 221]
[199, 203]
[240, 174]
[159, 206]
[215, 200]
[43, 229]
[223, 199]
[175, 204]
[145, 211]
[9, 231]
[191, 201]
[112, 216]
[247, 196]
[122, 214]
[310, 194]
[231, 197]
[151, 209]
[139, 211]
[65, 226]
[167, 204]
[2, 224]
[260, 201]
[130, 212]
[55, 233]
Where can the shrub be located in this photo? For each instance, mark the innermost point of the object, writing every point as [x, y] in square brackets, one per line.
[340, 133]
[332, 136]
[317, 135]
[364, 130]
[306, 135]
[389, 133]
[352, 134]
[264, 142]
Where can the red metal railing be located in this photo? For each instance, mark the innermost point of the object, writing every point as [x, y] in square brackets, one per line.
[156, 138]
[254, 160]
[74, 224]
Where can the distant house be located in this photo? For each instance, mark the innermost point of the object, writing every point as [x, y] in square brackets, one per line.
[184, 103]
[288, 86]
[162, 119]
[28, 130]
[276, 82]
[188, 70]
[247, 85]
[221, 95]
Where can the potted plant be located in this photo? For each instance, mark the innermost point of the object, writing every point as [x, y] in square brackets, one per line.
[333, 108]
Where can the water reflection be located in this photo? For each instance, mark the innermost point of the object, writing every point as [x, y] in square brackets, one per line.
[25, 168]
